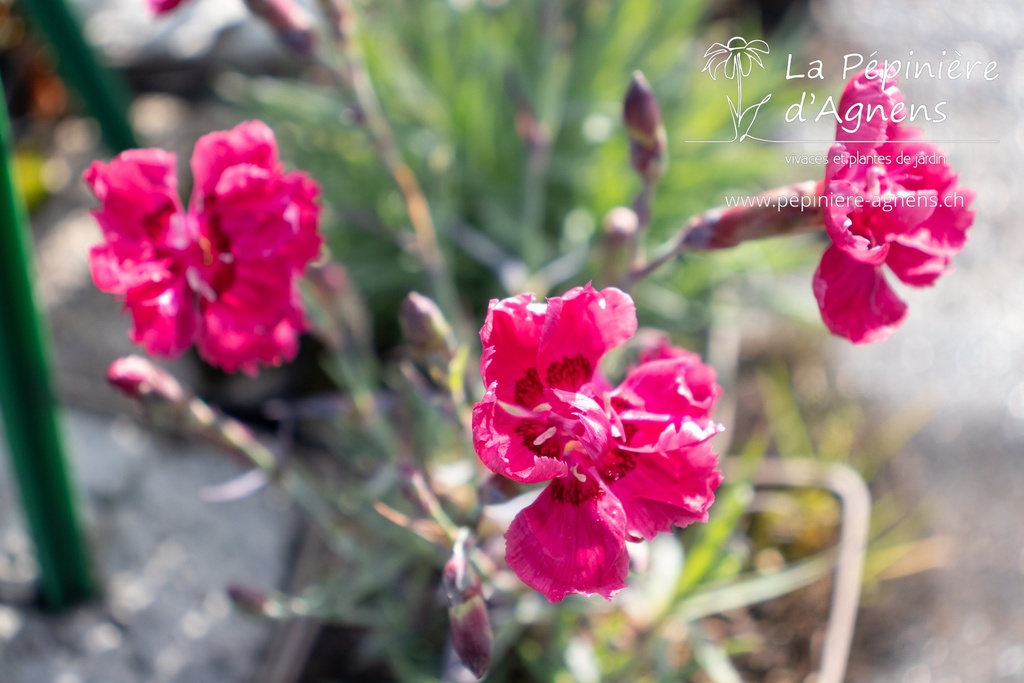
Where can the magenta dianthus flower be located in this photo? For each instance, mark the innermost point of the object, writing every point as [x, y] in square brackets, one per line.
[622, 464]
[890, 200]
[222, 274]
[163, 6]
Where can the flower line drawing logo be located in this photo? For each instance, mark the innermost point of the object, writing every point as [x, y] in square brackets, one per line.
[736, 60]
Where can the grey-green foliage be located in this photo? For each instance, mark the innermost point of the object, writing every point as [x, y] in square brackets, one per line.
[453, 80]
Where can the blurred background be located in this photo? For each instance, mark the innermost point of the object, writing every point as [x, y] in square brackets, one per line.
[509, 113]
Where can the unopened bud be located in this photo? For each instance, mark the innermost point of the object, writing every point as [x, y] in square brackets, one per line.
[618, 245]
[248, 599]
[166, 403]
[289, 20]
[647, 140]
[786, 210]
[467, 612]
[140, 379]
[425, 328]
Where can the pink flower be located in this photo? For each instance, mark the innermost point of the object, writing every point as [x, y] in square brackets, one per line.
[162, 6]
[222, 274]
[623, 464]
[889, 199]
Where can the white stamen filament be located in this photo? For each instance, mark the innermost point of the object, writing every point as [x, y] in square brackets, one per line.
[548, 433]
[576, 473]
[199, 285]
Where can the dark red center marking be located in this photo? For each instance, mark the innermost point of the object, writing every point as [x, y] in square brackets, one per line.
[573, 491]
[529, 390]
[530, 431]
[569, 374]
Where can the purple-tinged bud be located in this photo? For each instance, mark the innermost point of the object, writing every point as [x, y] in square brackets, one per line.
[647, 139]
[472, 639]
[425, 328]
[289, 20]
[165, 402]
[250, 600]
[786, 210]
[140, 379]
[618, 244]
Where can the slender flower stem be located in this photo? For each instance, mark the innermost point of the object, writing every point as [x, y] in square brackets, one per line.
[554, 66]
[786, 210]
[356, 76]
[29, 408]
[237, 439]
[429, 502]
[642, 204]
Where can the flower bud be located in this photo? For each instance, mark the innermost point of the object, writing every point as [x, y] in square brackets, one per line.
[618, 244]
[467, 612]
[647, 139]
[139, 379]
[166, 403]
[248, 599]
[786, 210]
[425, 328]
[289, 20]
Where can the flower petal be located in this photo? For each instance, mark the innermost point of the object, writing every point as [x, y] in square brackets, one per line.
[914, 266]
[855, 300]
[250, 142]
[579, 328]
[262, 213]
[673, 484]
[163, 313]
[570, 540]
[677, 386]
[848, 212]
[254, 319]
[520, 448]
[233, 349]
[138, 192]
[866, 109]
[112, 274]
[510, 337]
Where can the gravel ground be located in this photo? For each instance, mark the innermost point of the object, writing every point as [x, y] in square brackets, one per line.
[960, 352]
[163, 559]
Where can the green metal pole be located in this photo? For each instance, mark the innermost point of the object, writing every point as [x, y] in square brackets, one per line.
[100, 89]
[29, 408]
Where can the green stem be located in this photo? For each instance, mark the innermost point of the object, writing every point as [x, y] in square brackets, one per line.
[554, 66]
[102, 91]
[29, 408]
[356, 76]
[786, 210]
